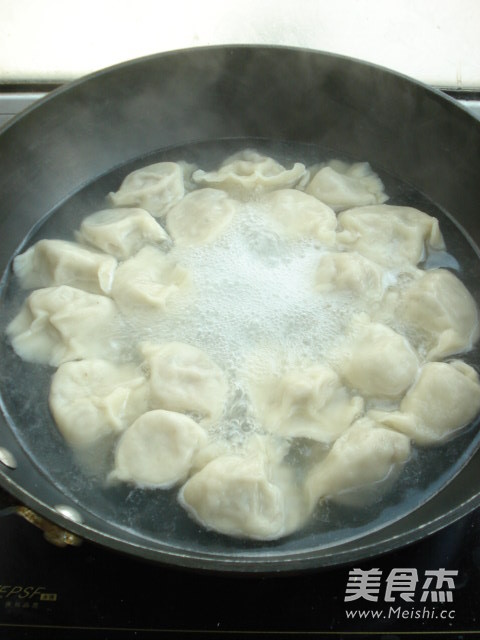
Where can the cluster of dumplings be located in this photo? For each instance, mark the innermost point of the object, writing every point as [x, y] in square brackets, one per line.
[313, 428]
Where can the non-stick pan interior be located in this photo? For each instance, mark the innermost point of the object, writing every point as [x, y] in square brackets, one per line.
[199, 107]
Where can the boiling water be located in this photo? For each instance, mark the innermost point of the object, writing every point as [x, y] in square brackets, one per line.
[251, 303]
[248, 289]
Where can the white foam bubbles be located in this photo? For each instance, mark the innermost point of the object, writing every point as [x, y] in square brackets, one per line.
[252, 288]
[252, 307]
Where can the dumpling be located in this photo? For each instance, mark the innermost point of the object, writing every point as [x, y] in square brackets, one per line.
[236, 495]
[90, 399]
[157, 449]
[376, 360]
[445, 398]
[298, 215]
[122, 232]
[389, 235]
[250, 172]
[200, 217]
[440, 307]
[149, 280]
[349, 271]
[365, 454]
[155, 188]
[58, 324]
[183, 378]
[55, 262]
[305, 403]
[341, 185]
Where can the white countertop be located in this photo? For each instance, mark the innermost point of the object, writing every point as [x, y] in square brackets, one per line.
[436, 41]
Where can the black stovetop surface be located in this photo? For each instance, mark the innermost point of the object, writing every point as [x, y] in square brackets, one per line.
[90, 592]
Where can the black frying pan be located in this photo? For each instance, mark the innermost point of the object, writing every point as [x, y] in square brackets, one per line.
[67, 152]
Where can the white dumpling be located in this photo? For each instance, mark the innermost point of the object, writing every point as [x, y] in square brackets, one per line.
[439, 306]
[392, 236]
[122, 232]
[56, 262]
[305, 403]
[58, 324]
[155, 188]
[234, 495]
[183, 378]
[250, 172]
[376, 360]
[349, 271]
[200, 217]
[445, 398]
[90, 399]
[298, 215]
[364, 455]
[341, 185]
[157, 449]
[148, 280]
